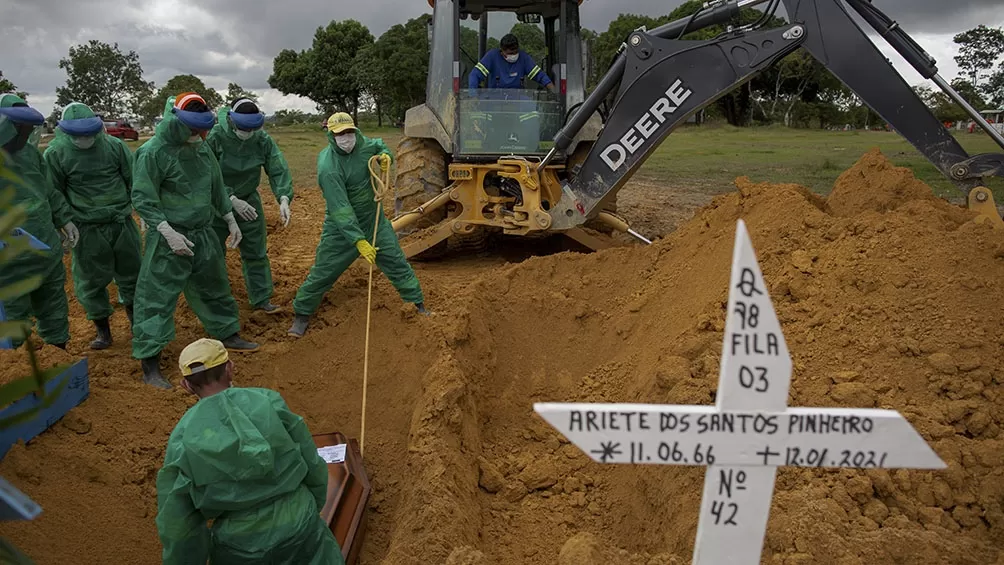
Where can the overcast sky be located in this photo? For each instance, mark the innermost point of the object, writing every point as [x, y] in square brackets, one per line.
[235, 40]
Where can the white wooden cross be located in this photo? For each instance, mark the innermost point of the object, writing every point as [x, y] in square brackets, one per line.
[749, 432]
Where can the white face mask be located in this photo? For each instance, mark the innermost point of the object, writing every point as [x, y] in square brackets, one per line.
[195, 139]
[243, 135]
[84, 142]
[346, 142]
[512, 58]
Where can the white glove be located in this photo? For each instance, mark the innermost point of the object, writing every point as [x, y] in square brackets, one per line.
[284, 210]
[243, 209]
[235, 232]
[180, 244]
[142, 225]
[71, 233]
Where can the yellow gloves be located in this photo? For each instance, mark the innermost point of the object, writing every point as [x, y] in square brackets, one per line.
[367, 251]
[384, 162]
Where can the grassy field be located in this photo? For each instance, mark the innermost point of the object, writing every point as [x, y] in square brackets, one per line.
[710, 158]
[813, 158]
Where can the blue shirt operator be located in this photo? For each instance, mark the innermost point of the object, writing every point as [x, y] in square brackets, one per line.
[507, 67]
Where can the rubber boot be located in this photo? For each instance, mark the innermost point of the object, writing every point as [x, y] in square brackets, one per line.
[237, 342]
[61, 345]
[151, 373]
[104, 337]
[422, 310]
[129, 314]
[299, 326]
[269, 308]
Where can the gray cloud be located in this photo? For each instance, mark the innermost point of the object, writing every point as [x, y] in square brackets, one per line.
[225, 41]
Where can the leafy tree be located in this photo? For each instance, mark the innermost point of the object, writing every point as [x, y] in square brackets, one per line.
[970, 93]
[531, 40]
[469, 48]
[103, 77]
[607, 43]
[393, 70]
[943, 107]
[153, 106]
[235, 91]
[979, 50]
[324, 73]
[737, 106]
[995, 89]
[8, 86]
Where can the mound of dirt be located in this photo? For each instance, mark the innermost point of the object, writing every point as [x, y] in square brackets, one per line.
[887, 296]
[874, 183]
[883, 292]
[15, 363]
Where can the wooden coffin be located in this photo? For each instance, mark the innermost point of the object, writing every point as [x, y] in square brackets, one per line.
[348, 496]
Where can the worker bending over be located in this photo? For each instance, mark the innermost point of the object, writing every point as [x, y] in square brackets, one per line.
[93, 171]
[241, 458]
[243, 150]
[344, 177]
[178, 189]
[47, 215]
[508, 67]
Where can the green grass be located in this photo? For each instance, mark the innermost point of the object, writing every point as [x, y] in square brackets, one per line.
[713, 157]
[301, 144]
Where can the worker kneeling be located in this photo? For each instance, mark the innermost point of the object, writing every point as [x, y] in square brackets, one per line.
[344, 177]
[241, 458]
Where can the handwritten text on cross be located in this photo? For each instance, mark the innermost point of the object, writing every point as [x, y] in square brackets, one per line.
[748, 433]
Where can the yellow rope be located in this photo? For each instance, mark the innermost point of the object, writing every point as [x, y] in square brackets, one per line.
[377, 177]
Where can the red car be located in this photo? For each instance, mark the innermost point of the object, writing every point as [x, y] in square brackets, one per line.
[121, 129]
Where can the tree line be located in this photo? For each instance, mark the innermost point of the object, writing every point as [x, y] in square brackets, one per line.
[347, 69]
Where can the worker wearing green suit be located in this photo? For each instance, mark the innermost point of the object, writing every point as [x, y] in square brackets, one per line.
[48, 219]
[94, 172]
[178, 190]
[242, 459]
[243, 150]
[344, 177]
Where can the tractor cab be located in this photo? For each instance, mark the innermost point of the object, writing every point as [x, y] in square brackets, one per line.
[485, 122]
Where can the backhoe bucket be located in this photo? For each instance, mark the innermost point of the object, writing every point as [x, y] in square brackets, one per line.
[981, 201]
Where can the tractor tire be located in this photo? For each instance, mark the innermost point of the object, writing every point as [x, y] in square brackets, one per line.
[421, 176]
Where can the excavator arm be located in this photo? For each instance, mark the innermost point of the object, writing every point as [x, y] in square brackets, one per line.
[658, 81]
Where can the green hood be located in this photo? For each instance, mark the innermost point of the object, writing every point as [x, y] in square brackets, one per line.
[360, 141]
[75, 111]
[238, 451]
[7, 129]
[170, 130]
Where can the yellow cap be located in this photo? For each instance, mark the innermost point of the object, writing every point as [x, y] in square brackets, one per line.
[339, 122]
[209, 352]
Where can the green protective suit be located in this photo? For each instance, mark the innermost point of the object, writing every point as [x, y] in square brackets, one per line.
[242, 162]
[344, 179]
[180, 183]
[242, 459]
[97, 184]
[47, 212]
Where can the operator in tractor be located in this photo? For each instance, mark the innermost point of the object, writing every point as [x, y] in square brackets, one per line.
[241, 458]
[507, 67]
[243, 149]
[508, 112]
[48, 220]
[343, 174]
[94, 172]
[178, 190]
